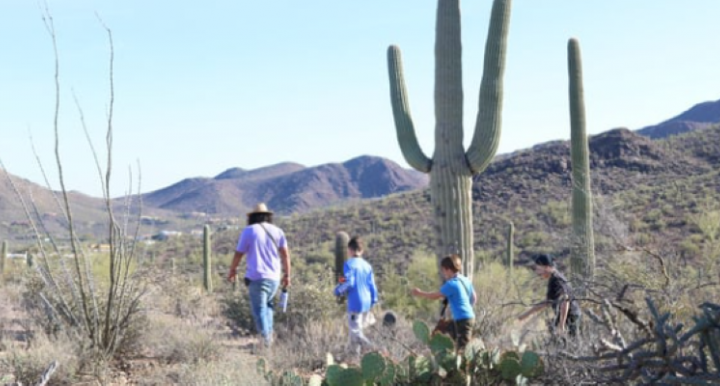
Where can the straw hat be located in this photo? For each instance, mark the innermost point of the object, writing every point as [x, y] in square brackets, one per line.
[260, 208]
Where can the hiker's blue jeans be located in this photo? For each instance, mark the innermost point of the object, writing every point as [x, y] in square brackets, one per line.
[262, 293]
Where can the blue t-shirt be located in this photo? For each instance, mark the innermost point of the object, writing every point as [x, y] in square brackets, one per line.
[359, 285]
[458, 292]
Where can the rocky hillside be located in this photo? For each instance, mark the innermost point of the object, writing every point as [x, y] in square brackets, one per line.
[699, 116]
[647, 193]
[287, 187]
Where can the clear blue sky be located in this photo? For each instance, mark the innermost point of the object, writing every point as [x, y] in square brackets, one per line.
[205, 86]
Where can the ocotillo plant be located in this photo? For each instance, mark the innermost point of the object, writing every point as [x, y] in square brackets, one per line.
[341, 253]
[451, 168]
[510, 253]
[582, 258]
[3, 255]
[207, 259]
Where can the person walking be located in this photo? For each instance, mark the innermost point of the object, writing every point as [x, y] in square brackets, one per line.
[362, 294]
[559, 296]
[268, 266]
[459, 293]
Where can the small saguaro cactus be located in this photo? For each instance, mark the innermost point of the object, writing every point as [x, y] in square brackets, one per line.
[510, 253]
[29, 260]
[451, 167]
[207, 259]
[3, 255]
[582, 259]
[341, 253]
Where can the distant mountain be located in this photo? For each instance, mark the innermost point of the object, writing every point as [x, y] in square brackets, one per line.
[87, 211]
[697, 117]
[287, 187]
[646, 193]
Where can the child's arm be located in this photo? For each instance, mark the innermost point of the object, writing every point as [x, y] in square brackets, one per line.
[534, 309]
[427, 295]
[564, 309]
[349, 281]
[373, 289]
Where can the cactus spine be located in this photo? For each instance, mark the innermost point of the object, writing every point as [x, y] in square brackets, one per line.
[582, 258]
[510, 258]
[341, 253]
[451, 168]
[207, 259]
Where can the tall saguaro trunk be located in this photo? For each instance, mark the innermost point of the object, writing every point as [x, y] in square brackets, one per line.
[207, 259]
[341, 254]
[451, 167]
[3, 256]
[510, 251]
[582, 258]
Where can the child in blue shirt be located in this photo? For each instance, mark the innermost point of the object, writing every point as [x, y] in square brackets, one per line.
[460, 294]
[361, 293]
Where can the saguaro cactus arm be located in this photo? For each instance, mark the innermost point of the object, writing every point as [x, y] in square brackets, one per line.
[489, 119]
[583, 251]
[401, 112]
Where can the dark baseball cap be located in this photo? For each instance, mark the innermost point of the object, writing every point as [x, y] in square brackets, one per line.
[543, 259]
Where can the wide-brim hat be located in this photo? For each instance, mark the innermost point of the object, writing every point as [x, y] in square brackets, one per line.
[260, 208]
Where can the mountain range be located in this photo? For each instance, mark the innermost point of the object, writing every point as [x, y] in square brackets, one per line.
[291, 188]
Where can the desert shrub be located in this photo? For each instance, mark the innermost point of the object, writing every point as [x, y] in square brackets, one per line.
[228, 370]
[175, 341]
[236, 307]
[311, 301]
[501, 297]
[395, 286]
[28, 363]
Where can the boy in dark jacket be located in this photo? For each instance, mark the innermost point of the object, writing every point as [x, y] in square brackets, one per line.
[559, 296]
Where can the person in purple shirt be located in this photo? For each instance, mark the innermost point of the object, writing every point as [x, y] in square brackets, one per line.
[361, 293]
[268, 257]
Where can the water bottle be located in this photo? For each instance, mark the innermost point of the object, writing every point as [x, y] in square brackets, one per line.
[284, 299]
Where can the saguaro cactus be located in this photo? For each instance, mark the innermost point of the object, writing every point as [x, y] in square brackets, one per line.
[341, 253]
[582, 258]
[510, 253]
[207, 259]
[451, 168]
[3, 255]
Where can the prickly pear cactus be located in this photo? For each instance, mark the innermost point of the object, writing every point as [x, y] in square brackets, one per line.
[451, 167]
[373, 366]
[421, 331]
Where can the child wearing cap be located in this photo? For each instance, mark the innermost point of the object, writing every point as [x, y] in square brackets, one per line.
[362, 294]
[559, 296]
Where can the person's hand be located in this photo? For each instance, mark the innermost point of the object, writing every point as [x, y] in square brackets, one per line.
[415, 291]
[285, 281]
[231, 275]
